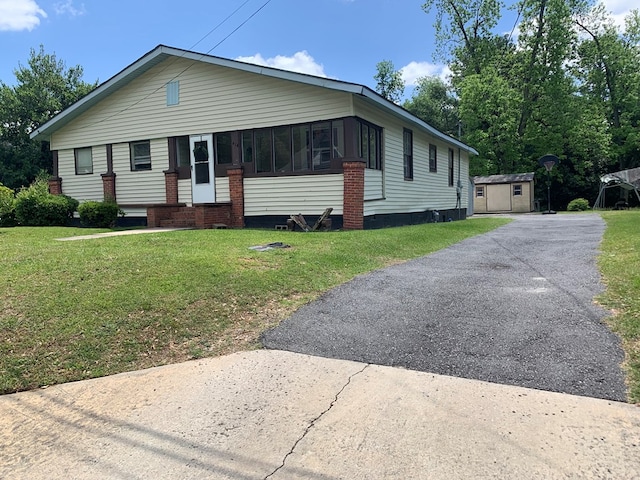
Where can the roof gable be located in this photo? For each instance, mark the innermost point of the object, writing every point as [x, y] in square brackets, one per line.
[162, 52]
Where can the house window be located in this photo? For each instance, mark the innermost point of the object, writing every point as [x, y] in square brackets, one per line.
[479, 192]
[517, 190]
[140, 153]
[173, 93]
[451, 163]
[407, 148]
[84, 161]
[369, 145]
[183, 156]
[223, 148]
[294, 148]
[433, 158]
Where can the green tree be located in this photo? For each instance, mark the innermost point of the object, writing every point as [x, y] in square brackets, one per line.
[44, 87]
[434, 102]
[389, 81]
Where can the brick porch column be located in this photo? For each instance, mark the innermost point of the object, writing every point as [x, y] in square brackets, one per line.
[55, 186]
[109, 187]
[353, 196]
[171, 186]
[236, 194]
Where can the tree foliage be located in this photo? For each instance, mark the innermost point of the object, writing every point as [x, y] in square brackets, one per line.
[389, 81]
[433, 102]
[44, 87]
[565, 81]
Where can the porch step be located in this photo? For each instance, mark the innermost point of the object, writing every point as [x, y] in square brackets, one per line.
[183, 218]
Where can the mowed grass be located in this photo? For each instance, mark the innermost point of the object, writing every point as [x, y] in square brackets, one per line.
[87, 308]
[619, 263]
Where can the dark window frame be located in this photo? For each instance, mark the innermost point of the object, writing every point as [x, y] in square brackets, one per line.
[75, 158]
[132, 157]
[407, 153]
[371, 163]
[433, 158]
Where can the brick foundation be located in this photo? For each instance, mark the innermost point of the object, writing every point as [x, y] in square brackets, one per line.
[353, 195]
[209, 214]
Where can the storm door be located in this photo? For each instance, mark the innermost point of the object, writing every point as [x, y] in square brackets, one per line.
[202, 178]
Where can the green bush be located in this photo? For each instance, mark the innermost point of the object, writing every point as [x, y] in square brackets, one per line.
[7, 207]
[35, 206]
[99, 214]
[578, 205]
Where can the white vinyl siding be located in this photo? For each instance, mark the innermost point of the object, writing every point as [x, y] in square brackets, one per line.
[222, 189]
[428, 190]
[184, 191]
[141, 187]
[212, 99]
[373, 184]
[306, 194]
[82, 187]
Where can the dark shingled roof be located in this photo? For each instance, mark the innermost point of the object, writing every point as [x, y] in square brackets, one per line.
[509, 178]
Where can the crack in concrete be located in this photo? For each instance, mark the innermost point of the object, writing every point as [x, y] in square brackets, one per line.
[313, 422]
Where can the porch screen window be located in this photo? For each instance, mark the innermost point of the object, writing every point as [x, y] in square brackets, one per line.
[517, 190]
[433, 158]
[182, 152]
[370, 145]
[140, 155]
[301, 150]
[84, 161]
[247, 147]
[321, 146]
[263, 151]
[223, 148]
[282, 148]
[408, 154]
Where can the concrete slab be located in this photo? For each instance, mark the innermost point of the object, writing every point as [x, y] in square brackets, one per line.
[281, 415]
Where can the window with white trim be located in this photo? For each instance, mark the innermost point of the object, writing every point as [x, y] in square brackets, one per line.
[517, 190]
[140, 153]
[479, 192]
[173, 93]
[84, 161]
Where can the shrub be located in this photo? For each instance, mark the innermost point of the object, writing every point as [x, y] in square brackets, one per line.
[578, 205]
[7, 207]
[35, 206]
[99, 214]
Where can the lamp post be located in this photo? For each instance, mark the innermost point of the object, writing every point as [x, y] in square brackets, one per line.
[548, 161]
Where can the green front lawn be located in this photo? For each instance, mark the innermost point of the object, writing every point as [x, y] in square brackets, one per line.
[88, 308]
[620, 267]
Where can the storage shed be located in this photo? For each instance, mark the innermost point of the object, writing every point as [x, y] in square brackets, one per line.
[504, 193]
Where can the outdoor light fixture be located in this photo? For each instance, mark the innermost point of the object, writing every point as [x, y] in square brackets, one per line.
[548, 161]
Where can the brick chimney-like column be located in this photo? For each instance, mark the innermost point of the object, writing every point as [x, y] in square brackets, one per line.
[236, 194]
[353, 196]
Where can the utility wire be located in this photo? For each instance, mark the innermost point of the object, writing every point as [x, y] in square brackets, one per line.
[183, 54]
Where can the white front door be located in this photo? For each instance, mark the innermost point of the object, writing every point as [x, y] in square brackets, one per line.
[202, 178]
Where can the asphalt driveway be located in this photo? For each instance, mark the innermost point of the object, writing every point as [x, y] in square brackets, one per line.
[514, 306]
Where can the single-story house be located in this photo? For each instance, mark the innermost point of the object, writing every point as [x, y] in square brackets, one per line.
[184, 138]
[504, 193]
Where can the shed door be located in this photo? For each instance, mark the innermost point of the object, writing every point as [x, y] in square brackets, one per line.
[202, 179]
[499, 198]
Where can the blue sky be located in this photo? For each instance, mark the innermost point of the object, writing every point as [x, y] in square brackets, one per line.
[342, 39]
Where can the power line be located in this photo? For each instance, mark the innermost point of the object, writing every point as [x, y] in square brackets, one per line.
[182, 56]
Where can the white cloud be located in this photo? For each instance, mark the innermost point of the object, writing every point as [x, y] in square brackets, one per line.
[300, 62]
[19, 15]
[68, 8]
[415, 70]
